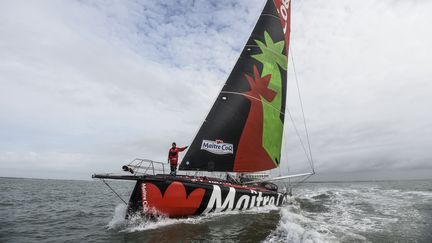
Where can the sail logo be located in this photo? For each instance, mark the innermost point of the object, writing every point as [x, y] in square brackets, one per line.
[217, 147]
[282, 9]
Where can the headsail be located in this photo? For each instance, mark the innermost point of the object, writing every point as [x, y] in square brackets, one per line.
[243, 130]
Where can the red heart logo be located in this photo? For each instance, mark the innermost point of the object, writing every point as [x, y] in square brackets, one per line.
[174, 202]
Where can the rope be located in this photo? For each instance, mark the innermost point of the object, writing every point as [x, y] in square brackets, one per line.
[289, 114]
[114, 191]
[298, 135]
[302, 110]
[296, 184]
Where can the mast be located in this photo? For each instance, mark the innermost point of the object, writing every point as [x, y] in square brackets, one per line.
[243, 130]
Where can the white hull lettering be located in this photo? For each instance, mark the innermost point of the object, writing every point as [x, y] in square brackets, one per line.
[266, 200]
[245, 200]
[272, 201]
[216, 200]
[259, 199]
[144, 197]
[254, 199]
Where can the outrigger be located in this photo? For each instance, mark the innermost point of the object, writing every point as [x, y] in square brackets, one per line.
[241, 134]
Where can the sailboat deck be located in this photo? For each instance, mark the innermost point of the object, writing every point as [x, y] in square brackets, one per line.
[259, 186]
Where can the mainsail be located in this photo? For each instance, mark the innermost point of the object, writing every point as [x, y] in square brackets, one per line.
[243, 130]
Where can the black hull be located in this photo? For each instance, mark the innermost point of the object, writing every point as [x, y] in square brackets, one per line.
[183, 197]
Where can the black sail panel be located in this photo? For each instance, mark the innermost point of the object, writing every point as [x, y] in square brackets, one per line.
[243, 130]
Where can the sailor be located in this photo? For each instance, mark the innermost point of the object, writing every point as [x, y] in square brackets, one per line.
[173, 157]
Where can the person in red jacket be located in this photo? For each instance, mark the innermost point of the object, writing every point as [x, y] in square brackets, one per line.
[173, 157]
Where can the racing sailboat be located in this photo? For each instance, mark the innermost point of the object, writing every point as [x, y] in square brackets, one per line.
[242, 133]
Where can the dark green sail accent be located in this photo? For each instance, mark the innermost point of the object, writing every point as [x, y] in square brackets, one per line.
[218, 145]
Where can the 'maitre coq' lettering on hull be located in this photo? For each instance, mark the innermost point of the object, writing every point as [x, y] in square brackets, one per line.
[180, 199]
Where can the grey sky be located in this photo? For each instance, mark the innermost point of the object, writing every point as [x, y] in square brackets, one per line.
[89, 85]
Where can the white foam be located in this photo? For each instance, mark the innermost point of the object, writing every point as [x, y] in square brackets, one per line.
[138, 223]
[118, 218]
[348, 212]
[425, 194]
[294, 227]
[142, 224]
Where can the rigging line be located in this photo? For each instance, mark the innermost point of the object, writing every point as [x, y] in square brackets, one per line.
[302, 109]
[296, 184]
[114, 191]
[298, 134]
[289, 114]
[285, 150]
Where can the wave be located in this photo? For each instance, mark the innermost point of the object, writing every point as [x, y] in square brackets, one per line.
[119, 218]
[294, 227]
[138, 223]
[349, 214]
[326, 214]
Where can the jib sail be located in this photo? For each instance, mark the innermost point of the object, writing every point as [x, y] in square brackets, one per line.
[243, 130]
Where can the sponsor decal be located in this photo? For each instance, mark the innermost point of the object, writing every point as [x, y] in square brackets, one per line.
[174, 202]
[217, 147]
[245, 201]
[144, 196]
[282, 9]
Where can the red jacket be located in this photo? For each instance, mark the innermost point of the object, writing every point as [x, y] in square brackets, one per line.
[173, 155]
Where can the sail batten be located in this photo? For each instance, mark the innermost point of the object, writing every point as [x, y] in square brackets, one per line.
[256, 99]
[243, 130]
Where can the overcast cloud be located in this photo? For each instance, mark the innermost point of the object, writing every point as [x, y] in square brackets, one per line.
[88, 85]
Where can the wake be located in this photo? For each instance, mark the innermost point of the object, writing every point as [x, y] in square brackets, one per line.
[138, 223]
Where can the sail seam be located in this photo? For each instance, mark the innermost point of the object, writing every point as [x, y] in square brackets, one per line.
[271, 15]
[249, 96]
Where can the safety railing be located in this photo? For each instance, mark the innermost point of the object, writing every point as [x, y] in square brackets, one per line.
[145, 167]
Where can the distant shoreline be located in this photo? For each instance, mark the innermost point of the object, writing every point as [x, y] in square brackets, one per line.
[30, 178]
[309, 182]
[383, 180]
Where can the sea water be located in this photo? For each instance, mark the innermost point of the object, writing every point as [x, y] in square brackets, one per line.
[33, 210]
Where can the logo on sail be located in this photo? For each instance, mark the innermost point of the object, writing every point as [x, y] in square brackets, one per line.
[217, 147]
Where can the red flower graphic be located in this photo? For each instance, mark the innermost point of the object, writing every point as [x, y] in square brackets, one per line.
[174, 202]
[259, 85]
